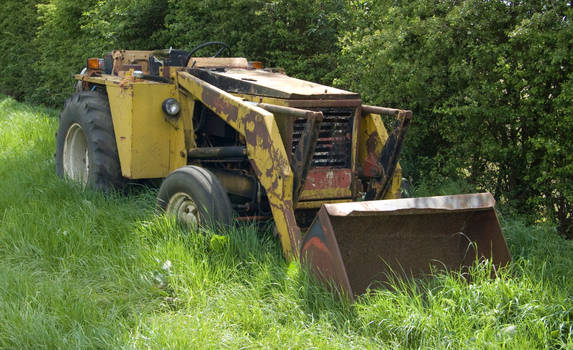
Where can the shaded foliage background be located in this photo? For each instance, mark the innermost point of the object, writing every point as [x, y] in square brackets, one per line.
[490, 86]
[490, 82]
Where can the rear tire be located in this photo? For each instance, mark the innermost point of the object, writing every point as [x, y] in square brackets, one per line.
[86, 151]
[195, 197]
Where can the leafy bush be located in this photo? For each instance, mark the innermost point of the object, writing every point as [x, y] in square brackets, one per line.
[488, 82]
[18, 24]
[299, 36]
[72, 31]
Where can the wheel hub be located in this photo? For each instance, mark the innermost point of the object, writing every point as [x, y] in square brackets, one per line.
[75, 157]
[184, 208]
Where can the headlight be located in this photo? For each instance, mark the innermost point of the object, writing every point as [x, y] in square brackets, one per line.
[171, 107]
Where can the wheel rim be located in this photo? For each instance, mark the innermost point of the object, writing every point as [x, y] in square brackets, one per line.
[184, 209]
[75, 155]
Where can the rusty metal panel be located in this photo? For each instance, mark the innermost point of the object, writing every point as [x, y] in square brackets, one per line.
[130, 57]
[361, 244]
[321, 252]
[264, 83]
[327, 183]
[312, 103]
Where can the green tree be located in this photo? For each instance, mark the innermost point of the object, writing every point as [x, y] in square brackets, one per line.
[17, 47]
[72, 31]
[488, 82]
[299, 36]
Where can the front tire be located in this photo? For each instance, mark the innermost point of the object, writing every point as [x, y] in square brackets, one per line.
[195, 197]
[86, 151]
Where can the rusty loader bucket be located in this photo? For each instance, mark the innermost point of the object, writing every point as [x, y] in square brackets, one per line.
[361, 244]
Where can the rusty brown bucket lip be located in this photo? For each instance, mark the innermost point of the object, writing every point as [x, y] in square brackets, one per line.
[359, 244]
[405, 206]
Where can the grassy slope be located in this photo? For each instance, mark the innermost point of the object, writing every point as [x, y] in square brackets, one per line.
[83, 270]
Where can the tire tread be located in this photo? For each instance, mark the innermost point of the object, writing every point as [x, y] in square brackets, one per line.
[205, 189]
[91, 110]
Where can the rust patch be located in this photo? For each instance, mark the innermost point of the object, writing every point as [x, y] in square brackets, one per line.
[260, 135]
[220, 106]
[259, 139]
[286, 208]
[328, 178]
[359, 245]
[86, 85]
[372, 142]
[371, 167]
[378, 186]
[320, 251]
[117, 58]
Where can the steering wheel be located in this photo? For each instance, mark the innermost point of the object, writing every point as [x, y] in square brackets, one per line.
[209, 43]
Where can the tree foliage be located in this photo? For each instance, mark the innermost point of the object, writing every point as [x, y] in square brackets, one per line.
[17, 50]
[59, 35]
[490, 81]
[297, 35]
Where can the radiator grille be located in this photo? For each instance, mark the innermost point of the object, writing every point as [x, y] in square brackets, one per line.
[333, 148]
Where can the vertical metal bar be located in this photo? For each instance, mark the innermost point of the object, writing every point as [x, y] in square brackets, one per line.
[305, 151]
[390, 154]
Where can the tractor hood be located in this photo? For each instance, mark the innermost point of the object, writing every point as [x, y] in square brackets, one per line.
[267, 83]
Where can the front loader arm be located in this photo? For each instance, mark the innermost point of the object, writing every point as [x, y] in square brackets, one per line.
[379, 151]
[265, 151]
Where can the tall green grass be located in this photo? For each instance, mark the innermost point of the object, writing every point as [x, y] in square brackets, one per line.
[83, 270]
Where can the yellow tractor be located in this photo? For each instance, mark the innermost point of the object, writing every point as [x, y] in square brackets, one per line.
[238, 142]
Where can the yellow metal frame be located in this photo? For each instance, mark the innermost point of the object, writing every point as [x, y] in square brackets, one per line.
[150, 145]
[372, 131]
[267, 157]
